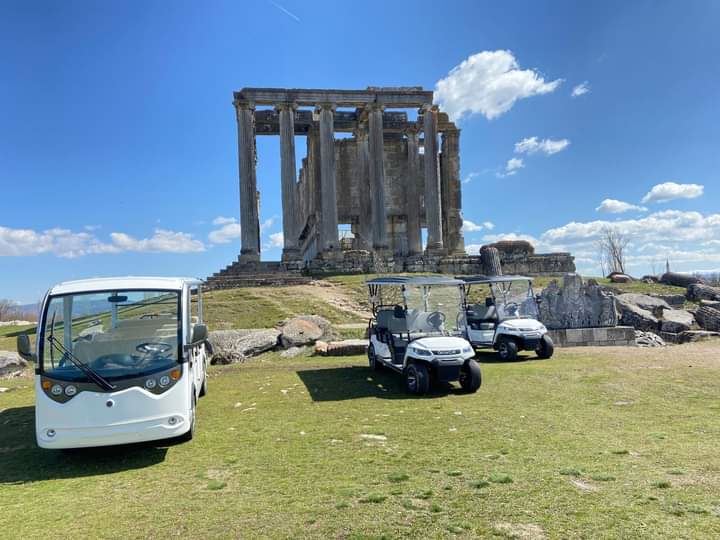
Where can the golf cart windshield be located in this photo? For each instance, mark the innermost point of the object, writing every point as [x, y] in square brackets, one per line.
[116, 334]
[433, 309]
[514, 299]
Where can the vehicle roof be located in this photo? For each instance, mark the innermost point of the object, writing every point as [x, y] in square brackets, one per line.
[125, 282]
[414, 280]
[492, 279]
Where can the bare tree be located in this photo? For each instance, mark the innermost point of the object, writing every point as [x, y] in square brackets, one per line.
[7, 309]
[612, 244]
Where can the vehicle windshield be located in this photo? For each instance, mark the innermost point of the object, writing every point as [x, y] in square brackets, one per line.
[434, 309]
[118, 334]
[514, 300]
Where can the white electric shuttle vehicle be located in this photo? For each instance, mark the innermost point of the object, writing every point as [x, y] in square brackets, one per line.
[417, 331]
[502, 314]
[118, 360]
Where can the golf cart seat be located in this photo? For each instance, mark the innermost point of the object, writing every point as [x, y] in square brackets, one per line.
[482, 316]
[387, 320]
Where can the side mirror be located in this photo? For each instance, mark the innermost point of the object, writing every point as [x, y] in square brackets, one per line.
[24, 349]
[200, 333]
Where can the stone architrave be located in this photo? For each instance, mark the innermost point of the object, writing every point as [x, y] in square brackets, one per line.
[249, 218]
[329, 226]
[287, 166]
[576, 305]
[412, 201]
[376, 169]
[433, 211]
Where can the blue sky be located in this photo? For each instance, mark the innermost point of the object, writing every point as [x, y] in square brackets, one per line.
[118, 139]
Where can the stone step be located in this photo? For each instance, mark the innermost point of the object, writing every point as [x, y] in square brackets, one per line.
[255, 280]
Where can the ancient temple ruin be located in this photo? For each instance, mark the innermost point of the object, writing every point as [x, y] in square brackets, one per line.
[363, 201]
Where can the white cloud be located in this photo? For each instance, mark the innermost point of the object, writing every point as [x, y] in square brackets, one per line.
[470, 177]
[489, 83]
[511, 167]
[69, 244]
[267, 224]
[276, 240]
[669, 191]
[473, 249]
[469, 226]
[229, 231]
[613, 206]
[162, 241]
[532, 145]
[221, 220]
[489, 225]
[580, 89]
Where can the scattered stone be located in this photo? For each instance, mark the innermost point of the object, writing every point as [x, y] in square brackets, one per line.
[699, 291]
[619, 277]
[576, 304]
[644, 301]
[679, 280]
[677, 320]
[638, 318]
[11, 365]
[697, 335]
[292, 352]
[648, 339]
[346, 347]
[371, 437]
[231, 346]
[522, 531]
[16, 323]
[299, 332]
[582, 486]
[3, 390]
[674, 300]
[650, 279]
[708, 318]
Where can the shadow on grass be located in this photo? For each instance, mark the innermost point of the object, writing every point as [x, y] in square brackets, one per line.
[491, 357]
[354, 382]
[21, 461]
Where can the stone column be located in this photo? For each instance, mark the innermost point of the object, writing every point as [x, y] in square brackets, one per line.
[433, 215]
[363, 185]
[287, 165]
[249, 219]
[452, 192]
[329, 225]
[376, 168]
[412, 201]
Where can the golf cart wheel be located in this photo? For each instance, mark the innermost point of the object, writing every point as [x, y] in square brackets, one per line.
[417, 379]
[372, 359]
[470, 377]
[507, 349]
[203, 388]
[546, 348]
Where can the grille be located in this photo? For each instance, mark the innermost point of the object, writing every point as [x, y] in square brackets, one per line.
[446, 353]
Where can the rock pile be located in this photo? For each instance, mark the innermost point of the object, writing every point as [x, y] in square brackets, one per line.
[648, 339]
[699, 291]
[11, 365]
[576, 304]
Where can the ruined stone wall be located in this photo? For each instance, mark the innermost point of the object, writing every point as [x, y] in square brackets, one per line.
[519, 257]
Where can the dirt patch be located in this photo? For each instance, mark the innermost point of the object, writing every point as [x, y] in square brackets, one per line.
[335, 296]
[523, 531]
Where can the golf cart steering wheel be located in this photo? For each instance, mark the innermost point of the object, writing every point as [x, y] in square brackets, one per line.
[153, 347]
[436, 319]
[512, 308]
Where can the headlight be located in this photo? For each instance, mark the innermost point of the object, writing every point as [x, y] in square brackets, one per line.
[164, 380]
[421, 352]
[70, 390]
[467, 350]
[56, 390]
[150, 384]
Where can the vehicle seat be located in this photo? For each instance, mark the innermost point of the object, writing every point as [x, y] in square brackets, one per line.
[386, 319]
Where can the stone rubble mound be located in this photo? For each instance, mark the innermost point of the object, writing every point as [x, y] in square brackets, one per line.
[648, 339]
[305, 330]
[11, 365]
[699, 291]
[575, 304]
[230, 346]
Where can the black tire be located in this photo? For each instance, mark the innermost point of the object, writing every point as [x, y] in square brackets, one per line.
[470, 376]
[507, 349]
[546, 348]
[372, 359]
[203, 388]
[417, 379]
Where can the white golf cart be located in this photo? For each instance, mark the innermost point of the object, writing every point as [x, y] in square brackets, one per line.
[417, 330]
[501, 313]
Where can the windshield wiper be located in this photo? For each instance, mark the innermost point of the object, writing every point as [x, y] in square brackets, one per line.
[93, 375]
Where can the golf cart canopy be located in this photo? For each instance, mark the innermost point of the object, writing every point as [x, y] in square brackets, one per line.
[492, 279]
[414, 281]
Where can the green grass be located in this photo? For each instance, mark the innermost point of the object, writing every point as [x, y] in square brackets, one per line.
[527, 447]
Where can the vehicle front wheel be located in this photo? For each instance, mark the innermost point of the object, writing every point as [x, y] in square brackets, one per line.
[373, 362]
[203, 388]
[417, 379]
[470, 376]
[507, 349]
[546, 348]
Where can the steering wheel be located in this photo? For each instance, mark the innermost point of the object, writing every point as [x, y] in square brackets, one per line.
[153, 347]
[512, 308]
[436, 319]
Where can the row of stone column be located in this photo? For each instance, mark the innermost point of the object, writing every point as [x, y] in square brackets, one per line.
[370, 167]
